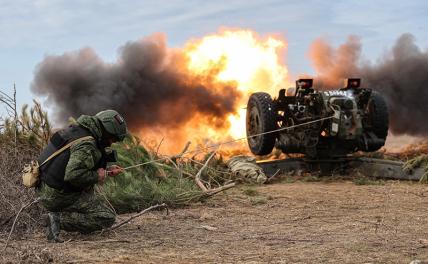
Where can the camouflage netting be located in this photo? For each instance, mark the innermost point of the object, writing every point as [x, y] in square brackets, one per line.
[245, 169]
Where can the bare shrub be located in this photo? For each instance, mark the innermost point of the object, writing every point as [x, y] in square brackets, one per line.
[33, 131]
[12, 193]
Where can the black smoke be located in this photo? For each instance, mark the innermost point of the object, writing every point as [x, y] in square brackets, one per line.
[401, 76]
[148, 84]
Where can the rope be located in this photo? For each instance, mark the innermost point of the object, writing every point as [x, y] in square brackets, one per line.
[232, 141]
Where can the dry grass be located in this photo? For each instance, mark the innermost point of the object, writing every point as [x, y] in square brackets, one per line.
[299, 222]
[414, 150]
[21, 141]
[13, 195]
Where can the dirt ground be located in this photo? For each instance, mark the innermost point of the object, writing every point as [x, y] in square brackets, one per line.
[300, 222]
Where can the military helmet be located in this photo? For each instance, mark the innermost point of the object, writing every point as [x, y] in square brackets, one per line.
[113, 123]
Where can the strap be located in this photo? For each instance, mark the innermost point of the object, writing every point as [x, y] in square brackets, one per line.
[56, 153]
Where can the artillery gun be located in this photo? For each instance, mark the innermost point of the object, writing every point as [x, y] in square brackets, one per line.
[317, 123]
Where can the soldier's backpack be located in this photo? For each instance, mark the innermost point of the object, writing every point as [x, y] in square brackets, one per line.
[31, 171]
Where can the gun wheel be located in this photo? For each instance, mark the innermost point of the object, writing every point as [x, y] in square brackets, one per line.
[261, 118]
[377, 120]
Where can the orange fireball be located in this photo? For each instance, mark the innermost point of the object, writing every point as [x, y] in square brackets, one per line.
[240, 56]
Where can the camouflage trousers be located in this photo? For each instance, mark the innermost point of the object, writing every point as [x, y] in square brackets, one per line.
[83, 212]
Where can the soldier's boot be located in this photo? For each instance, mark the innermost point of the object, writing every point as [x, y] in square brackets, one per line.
[53, 227]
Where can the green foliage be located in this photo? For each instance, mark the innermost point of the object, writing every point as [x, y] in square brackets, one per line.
[368, 181]
[35, 124]
[156, 182]
[250, 192]
[131, 192]
[32, 127]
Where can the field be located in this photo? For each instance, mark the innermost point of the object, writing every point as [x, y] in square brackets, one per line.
[283, 222]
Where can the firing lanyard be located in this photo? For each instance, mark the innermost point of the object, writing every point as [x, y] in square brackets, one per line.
[231, 141]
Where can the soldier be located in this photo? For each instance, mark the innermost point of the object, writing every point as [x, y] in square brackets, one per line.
[67, 181]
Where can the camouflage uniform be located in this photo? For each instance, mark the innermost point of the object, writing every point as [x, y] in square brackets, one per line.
[80, 211]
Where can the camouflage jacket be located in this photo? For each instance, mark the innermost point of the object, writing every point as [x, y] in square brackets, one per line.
[81, 168]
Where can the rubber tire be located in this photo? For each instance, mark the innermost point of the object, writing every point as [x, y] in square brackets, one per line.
[378, 115]
[262, 105]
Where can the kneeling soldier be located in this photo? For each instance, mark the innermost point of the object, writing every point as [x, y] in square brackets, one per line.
[67, 180]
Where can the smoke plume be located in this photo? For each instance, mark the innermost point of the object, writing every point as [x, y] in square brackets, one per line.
[401, 76]
[148, 84]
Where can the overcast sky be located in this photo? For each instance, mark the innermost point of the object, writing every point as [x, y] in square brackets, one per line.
[30, 30]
